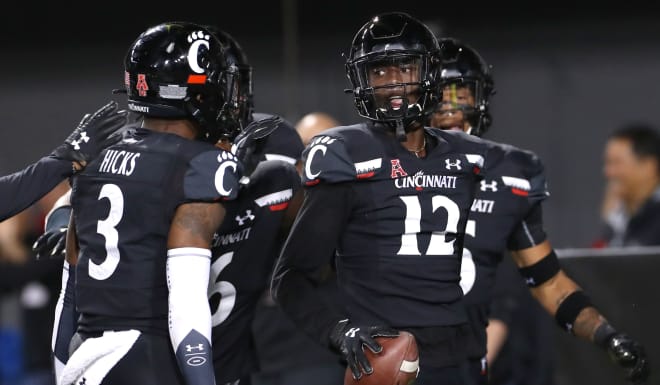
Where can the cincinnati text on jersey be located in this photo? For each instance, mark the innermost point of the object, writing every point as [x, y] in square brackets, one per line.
[420, 180]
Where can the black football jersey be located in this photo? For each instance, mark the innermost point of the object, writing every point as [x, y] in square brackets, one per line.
[399, 257]
[500, 219]
[123, 204]
[244, 251]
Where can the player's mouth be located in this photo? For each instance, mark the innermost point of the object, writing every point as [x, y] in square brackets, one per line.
[396, 102]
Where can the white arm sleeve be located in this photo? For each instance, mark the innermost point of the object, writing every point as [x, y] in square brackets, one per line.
[188, 270]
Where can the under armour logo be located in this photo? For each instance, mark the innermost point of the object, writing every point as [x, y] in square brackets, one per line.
[569, 327]
[83, 381]
[456, 164]
[190, 348]
[248, 215]
[530, 281]
[83, 138]
[492, 186]
[351, 332]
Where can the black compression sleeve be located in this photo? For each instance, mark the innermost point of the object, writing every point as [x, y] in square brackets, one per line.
[529, 232]
[21, 189]
[308, 249]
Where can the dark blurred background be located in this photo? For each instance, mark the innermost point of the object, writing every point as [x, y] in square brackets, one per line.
[566, 74]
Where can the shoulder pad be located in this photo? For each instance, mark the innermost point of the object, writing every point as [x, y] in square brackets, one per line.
[273, 184]
[326, 160]
[275, 175]
[211, 176]
[341, 154]
[482, 153]
[524, 171]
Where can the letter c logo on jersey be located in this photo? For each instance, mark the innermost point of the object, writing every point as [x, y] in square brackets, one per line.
[226, 160]
[310, 157]
[196, 39]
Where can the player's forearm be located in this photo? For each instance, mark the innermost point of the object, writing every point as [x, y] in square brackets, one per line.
[302, 299]
[309, 248]
[23, 188]
[555, 292]
[188, 270]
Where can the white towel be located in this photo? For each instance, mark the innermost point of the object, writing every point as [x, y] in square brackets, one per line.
[90, 363]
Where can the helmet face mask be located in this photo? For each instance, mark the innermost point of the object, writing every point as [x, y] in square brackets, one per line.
[244, 107]
[466, 85]
[392, 67]
[178, 70]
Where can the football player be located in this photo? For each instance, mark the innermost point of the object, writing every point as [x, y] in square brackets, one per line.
[389, 199]
[144, 215]
[249, 240]
[507, 215]
[258, 221]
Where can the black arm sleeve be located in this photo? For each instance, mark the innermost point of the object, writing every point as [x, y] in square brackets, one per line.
[21, 189]
[529, 232]
[299, 272]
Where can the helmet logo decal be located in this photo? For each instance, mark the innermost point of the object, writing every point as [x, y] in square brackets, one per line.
[141, 85]
[197, 39]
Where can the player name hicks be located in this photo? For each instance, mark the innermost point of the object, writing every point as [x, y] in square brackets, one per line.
[119, 162]
[425, 181]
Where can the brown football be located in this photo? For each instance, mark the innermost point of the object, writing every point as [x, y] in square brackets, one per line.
[396, 364]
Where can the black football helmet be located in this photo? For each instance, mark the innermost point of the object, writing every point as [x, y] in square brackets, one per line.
[179, 70]
[394, 39]
[462, 66]
[237, 55]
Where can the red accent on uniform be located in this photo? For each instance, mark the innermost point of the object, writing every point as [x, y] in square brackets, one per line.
[397, 169]
[366, 175]
[418, 188]
[196, 79]
[520, 192]
[476, 170]
[312, 182]
[141, 85]
[279, 206]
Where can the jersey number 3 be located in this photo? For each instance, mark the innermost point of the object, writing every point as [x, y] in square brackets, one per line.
[107, 228]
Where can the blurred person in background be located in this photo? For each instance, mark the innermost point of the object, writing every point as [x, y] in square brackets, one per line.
[314, 123]
[631, 206]
[506, 216]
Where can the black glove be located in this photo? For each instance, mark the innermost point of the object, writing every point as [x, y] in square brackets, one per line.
[348, 340]
[94, 133]
[52, 242]
[625, 352]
